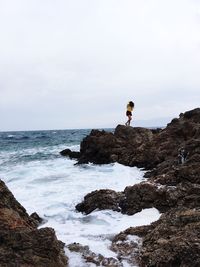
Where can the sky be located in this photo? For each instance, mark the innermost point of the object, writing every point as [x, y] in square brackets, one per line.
[70, 64]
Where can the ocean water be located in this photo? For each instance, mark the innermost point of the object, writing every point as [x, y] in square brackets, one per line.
[45, 182]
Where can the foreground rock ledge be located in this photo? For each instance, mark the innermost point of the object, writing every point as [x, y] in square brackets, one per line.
[22, 244]
[171, 241]
[172, 158]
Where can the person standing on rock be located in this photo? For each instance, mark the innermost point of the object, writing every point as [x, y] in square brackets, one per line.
[129, 110]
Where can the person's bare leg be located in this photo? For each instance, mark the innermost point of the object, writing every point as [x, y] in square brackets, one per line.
[129, 120]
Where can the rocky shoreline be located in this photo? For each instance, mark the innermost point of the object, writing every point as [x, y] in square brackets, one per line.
[171, 157]
[21, 243]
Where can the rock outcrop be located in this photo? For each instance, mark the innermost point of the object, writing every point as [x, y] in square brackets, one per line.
[171, 241]
[171, 157]
[143, 147]
[21, 243]
[100, 199]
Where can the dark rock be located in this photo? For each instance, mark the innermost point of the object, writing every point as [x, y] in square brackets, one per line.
[97, 148]
[142, 147]
[174, 241]
[125, 146]
[21, 243]
[70, 154]
[91, 257]
[156, 130]
[193, 115]
[173, 187]
[12, 213]
[100, 199]
[140, 196]
[37, 218]
[145, 195]
[39, 248]
[127, 247]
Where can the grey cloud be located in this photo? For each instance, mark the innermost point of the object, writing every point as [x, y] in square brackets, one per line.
[75, 64]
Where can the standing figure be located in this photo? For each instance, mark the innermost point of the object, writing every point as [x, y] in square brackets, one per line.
[130, 107]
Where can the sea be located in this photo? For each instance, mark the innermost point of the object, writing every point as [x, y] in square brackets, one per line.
[45, 182]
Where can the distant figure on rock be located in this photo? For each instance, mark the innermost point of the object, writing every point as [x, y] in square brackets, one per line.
[129, 110]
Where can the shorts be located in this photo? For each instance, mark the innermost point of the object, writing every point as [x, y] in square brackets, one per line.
[128, 113]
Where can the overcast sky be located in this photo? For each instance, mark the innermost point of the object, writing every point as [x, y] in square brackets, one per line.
[76, 63]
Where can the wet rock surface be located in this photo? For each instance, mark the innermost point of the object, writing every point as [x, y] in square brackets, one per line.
[71, 154]
[93, 258]
[171, 157]
[21, 243]
[100, 199]
[172, 241]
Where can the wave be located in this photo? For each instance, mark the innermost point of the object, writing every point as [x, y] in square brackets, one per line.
[15, 137]
[39, 156]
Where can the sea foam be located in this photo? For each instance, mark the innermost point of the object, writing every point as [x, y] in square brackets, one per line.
[52, 186]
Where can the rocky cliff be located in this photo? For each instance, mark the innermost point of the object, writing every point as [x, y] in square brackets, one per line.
[171, 157]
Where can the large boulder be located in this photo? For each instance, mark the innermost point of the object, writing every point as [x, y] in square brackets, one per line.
[125, 146]
[141, 147]
[101, 200]
[98, 147]
[71, 154]
[22, 244]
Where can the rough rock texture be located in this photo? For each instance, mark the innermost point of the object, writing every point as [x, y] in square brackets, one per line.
[92, 258]
[100, 199]
[98, 147]
[141, 196]
[144, 147]
[172, 158]
[171, 241]
[174, 240]
[21, 243]
[101, 147]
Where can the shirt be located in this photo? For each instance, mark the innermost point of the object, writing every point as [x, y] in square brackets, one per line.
[129, 108]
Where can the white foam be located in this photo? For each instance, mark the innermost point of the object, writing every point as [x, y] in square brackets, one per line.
[52, 188]
[76, 260]
[10, 135]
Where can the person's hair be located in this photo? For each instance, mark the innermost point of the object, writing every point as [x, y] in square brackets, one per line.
[131, 104]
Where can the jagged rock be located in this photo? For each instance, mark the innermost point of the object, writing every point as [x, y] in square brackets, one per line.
[37, 218]
[141, 196]
[127, 248]
[100, 199]
[173, 187]
[21, 243]
[34, 248]
[143, 147]
[12, 213]
[101, 147]
[91, 257]
[174, 241]
[97, 147]
[144, 195]
[70, 154]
